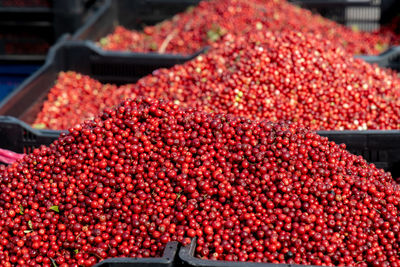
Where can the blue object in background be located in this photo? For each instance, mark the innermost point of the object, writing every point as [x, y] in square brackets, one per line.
[13, 75]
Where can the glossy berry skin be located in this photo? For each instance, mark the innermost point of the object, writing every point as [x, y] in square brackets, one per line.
[147, 172]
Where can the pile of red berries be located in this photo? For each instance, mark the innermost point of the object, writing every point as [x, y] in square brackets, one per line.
[206, 23]
[74, 98]
[149, 172]
[274, 76]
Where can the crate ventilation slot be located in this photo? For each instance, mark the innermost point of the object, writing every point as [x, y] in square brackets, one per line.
[28, 149]
[28, 136]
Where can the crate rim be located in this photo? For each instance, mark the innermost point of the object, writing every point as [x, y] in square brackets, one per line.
[11, 119]
[27, 127]
[92, 45]
[384, 56]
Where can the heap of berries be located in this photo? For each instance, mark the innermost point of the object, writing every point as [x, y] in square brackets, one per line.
[78, 97]
[206, 23]
[148, 172]
[274, 76]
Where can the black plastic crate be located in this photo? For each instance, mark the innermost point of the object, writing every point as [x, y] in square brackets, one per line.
[31, 29]
[149, 12]
[388, 59]
[187, 258]
[101, 23]
[19, 137]
[59, 15]
[69, 15]
[132, 15]
[364, 15]
[86, 58]
[379, 147]
[167, 260]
